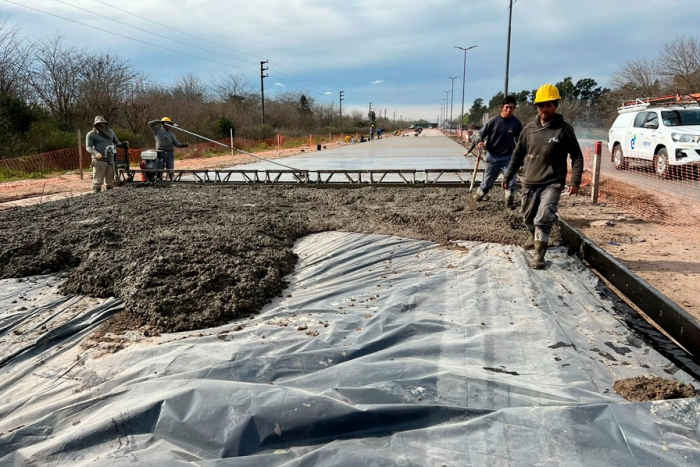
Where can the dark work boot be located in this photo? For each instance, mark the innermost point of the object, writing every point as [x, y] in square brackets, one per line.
[510, 199]
[109, 187]
[541, 241]
[530, 242]
[538, 255]
[96, 189]
[479, 194]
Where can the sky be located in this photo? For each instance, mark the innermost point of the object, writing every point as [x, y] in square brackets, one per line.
[397, 55]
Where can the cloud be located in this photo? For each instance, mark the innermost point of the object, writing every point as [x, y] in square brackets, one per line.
[328, 93]
[280, 85]
[379, 81]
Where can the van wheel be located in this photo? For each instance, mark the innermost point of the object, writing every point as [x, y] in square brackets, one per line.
[619, 159]
[661, 166]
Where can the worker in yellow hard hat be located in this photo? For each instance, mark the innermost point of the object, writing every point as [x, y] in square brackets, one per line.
[165, 140]
[542, 150]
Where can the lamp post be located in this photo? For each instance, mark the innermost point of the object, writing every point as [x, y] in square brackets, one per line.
[447, 101]
[452, 100]
[510, 19]
[464, 73]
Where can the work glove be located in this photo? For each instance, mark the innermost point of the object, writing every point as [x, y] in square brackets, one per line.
[185, 145]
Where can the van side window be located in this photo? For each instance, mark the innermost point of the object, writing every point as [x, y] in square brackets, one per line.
[640, 119]
[653, 118]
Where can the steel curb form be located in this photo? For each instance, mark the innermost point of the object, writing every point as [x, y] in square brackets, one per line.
[670, 317]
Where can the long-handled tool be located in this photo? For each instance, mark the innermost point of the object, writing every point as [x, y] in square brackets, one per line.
[228, 147]
[470, 198]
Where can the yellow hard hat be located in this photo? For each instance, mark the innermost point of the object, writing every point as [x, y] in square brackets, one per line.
[547, 93]
[166, 119]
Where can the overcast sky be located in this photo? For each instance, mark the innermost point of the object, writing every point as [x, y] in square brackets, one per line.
[398, 55]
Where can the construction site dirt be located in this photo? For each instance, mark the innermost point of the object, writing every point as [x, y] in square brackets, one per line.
[185, 258]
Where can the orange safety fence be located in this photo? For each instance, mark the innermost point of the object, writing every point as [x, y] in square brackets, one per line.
[70, 159]
[670, 200]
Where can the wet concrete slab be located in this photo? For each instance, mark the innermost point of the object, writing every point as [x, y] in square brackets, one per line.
[429, 150]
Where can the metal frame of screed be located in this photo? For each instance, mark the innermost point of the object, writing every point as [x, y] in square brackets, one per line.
[339, 178]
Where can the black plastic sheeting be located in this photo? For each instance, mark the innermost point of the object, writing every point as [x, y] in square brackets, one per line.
[383, 351]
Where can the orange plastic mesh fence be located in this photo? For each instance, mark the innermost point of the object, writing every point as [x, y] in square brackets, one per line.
[658, 188]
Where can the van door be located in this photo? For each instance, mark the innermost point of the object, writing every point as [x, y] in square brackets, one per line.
[647, 136]
[632, 142]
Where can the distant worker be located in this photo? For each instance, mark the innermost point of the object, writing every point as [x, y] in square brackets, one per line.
[541, 151]
[165, 140]
[379, 133]
[101, 143]
[499, 136]
[371, 132]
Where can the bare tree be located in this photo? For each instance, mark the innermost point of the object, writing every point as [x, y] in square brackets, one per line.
[56, 77]
[232, 87]
[190, 89]
[679, 62]
[106, 84]
[14, 53]
[641, 76]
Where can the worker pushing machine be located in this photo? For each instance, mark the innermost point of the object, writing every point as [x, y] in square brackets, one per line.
[542, 150]
[499, 135]
[165, 140]
[101, 143]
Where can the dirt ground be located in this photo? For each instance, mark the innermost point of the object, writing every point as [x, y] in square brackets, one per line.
[653, 388]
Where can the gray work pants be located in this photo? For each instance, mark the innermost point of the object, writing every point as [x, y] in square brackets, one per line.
[102, 173]
[540, 205]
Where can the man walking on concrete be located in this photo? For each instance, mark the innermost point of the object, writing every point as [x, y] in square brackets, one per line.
[499, 136]
[165, 140]
[541, 151]
[101, 143]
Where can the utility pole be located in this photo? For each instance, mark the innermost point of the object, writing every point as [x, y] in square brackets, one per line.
[447, 101]
[452, 101]
[369, 114]
[510, 19]
[464, 75]
[263, 69]
[341, 110]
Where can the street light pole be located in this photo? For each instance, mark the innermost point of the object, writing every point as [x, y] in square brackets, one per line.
[447, 101]
[464, 74]
[510, 19]
[452, 100]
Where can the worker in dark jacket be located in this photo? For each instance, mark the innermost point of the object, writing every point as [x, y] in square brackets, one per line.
[542, 151]
[499, 136]
[101, 143]
[165, 140]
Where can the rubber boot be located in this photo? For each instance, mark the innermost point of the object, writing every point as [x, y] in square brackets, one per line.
[510, 199]
[109, 187]
[541, 241]
[479, 194]
[530, 242]
[96, 189]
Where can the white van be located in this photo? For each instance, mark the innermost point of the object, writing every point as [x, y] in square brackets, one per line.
[667, 136]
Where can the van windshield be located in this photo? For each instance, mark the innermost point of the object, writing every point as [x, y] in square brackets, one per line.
[685, 117]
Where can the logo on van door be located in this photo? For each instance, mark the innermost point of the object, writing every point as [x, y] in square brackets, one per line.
[633, 141]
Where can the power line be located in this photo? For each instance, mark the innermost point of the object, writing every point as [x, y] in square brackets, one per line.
[151, 32]
[215, 43]
[129, 38]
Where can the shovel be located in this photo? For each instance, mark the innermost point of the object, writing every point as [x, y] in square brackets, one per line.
[470, 199]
